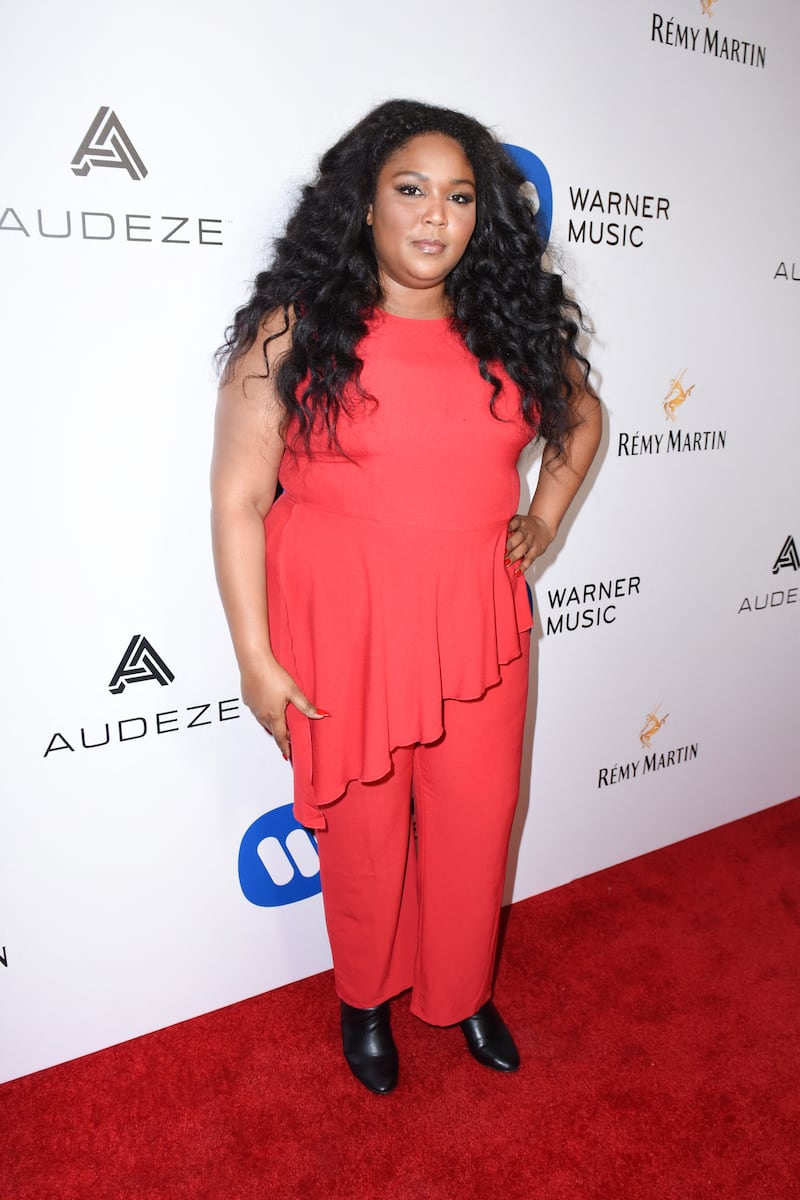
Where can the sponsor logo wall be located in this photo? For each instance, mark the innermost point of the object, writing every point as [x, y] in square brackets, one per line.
[152, 866]
[539, 186]
[698, 39]
[141, 663]
[107, 145]
[671, 438]
[652, 759]
[613, 218]
[773, 596]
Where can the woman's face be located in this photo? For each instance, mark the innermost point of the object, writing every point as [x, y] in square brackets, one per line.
[423, 214]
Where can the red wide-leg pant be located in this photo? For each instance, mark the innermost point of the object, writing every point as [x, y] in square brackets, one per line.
[423, 913]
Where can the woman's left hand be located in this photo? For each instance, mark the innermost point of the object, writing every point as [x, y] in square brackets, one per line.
[528, 537]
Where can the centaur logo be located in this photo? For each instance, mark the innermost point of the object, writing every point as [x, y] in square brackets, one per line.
[788, 557]
[652, 761]
[708, 7]
[278, 861]
[676, 395]
[653, 723]
[106, 144]
[139, 663]
[639, 442]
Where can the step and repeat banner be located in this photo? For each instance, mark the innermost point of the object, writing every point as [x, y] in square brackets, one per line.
[151, 868]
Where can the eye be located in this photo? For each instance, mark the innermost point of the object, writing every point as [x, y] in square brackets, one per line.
[409, 189]
[462, 198]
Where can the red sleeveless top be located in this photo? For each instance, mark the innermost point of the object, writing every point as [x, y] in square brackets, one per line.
[386, 581]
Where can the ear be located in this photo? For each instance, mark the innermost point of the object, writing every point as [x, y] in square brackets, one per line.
[369, 214]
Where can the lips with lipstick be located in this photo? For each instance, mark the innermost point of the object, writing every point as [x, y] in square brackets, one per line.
[430, 245]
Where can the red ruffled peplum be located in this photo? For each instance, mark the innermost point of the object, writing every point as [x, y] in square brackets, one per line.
[386, 580]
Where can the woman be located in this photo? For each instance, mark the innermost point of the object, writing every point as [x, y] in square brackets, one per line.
[402, 348]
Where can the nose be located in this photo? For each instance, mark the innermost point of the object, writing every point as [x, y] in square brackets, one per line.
[435, 213]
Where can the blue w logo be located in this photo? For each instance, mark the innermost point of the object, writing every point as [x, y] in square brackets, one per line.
[538, 178]
[278, 861]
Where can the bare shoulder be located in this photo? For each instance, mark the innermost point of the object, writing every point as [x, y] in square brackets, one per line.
[248, 440]
[248, 397]
[248, 376]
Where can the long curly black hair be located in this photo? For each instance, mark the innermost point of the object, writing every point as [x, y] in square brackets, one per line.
[324, 277]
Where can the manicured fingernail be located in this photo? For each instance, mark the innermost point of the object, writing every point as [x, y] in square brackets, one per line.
[322, 713]
[508, 562]
[286, 757]
[518, 572]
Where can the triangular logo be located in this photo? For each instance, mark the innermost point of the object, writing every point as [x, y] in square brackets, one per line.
[139, 663]
[788, 557]
[106, 144]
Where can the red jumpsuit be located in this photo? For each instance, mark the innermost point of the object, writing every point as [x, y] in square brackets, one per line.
[391, 606]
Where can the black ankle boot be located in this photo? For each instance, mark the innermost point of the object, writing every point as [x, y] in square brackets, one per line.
[369, 1046]
[489, 1040]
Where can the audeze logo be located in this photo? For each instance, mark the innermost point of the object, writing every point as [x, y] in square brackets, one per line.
[106, 144]
[788, 557]
[278, 861]
[139, 663]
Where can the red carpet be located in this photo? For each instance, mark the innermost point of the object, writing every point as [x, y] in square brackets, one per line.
[657, 1010]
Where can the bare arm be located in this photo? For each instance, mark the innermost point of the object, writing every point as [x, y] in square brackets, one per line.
[244, 473]
[559, 480]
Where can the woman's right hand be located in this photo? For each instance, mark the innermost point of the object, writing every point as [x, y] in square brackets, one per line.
[267, 691]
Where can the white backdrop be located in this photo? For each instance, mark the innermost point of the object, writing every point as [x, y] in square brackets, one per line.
[126, 813]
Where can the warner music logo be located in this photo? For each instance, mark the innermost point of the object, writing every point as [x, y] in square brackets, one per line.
[278, 860]
[707, 41]
[672, 441]
[788, 559]
[106, 144]
[653, 760]
[140, 663]
[613, 218]
[588, 605]
[537, 186]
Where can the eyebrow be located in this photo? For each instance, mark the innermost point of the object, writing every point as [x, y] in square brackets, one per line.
[419, 175]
